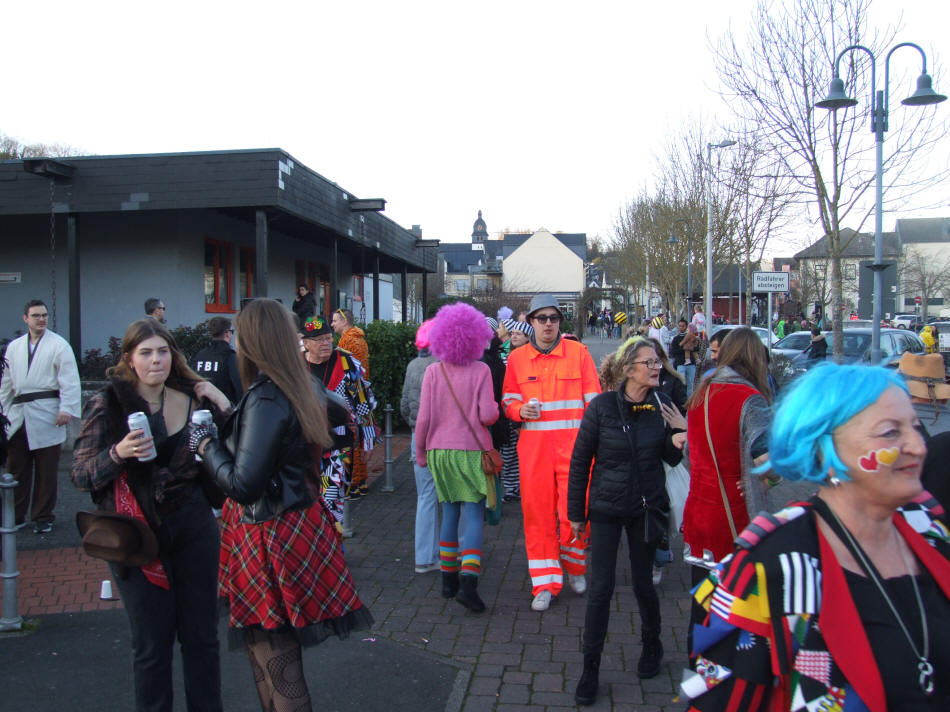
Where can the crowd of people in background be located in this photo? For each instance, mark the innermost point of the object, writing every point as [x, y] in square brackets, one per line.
[506, 409]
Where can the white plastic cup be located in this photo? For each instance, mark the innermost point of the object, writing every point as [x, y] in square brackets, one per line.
[105, 591]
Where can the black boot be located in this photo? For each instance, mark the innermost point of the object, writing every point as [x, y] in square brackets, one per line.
[586, 693]
[468, 594]
[450, 584]
[651, 655]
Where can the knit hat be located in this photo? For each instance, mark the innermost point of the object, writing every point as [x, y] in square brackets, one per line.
[524, 327]
[620, 318]
[657, 322]
[316, 326]
[492, 322]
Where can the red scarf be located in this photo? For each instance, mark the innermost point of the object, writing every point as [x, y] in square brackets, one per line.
[125, 503]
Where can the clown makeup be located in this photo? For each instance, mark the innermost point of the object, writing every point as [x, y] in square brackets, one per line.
[872, 460]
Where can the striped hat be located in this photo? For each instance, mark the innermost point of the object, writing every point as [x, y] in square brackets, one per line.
[492, 322]
[524, 327]
[509, 324]
[620, 318]
[657, 322]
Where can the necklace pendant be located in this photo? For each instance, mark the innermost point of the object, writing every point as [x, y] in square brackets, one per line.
[925, 679]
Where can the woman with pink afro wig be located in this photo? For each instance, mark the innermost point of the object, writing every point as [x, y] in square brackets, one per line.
[455, 407]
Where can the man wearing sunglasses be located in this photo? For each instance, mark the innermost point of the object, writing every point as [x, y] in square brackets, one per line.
[561, 376]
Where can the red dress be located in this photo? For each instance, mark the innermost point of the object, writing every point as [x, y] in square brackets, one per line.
[705, 525]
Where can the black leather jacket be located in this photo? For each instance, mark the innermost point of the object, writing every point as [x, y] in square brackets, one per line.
[262, 460]
[627, 479]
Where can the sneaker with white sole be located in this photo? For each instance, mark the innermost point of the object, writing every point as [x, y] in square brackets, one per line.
[542, 601]
[657, 575]
[578, 584]
[426, 568]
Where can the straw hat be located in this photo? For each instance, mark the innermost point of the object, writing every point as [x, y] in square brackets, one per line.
[925, 376]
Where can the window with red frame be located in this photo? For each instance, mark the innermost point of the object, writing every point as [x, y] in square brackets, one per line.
[358, 287]
[218, 274]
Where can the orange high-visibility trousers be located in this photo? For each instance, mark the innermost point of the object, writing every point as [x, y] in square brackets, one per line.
[549, 542]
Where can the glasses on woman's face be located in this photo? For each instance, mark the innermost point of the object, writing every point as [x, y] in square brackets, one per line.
[652, 363]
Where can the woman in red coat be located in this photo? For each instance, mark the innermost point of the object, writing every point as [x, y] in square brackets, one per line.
[727, 417]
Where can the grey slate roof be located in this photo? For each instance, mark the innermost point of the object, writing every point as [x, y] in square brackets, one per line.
[460, 255]
[236, 182]
[855, 245]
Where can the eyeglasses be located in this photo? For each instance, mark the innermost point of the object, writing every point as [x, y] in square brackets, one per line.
[547, 318]
[652, 363]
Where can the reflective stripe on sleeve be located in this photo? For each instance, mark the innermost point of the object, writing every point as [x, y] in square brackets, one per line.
[551, 425]
[588, 397]
[511, 396]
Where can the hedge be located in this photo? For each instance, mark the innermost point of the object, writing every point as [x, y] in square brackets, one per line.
[391, 347]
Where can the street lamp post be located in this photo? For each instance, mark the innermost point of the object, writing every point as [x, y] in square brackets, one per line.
[689, 259]
[707, 297]
[837, 99]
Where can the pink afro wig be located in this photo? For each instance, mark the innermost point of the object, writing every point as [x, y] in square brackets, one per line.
[459, 334]
[422, 334]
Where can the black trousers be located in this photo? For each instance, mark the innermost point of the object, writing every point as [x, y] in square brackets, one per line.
[189, 543]
[36, 472]
[602, 563]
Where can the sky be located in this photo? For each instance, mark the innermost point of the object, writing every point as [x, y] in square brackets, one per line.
[541, 114]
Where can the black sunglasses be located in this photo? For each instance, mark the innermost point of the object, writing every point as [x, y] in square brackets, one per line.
[548, 318]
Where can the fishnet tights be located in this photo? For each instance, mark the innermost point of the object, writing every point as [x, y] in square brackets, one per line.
[278, 670]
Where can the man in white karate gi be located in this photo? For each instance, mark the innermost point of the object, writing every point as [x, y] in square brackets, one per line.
[39, 393]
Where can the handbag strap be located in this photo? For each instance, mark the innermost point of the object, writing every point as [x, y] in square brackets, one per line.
[464, 416]
[712, 451]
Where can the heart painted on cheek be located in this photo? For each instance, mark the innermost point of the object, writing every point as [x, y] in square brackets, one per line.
[888, 456]
[868, 462]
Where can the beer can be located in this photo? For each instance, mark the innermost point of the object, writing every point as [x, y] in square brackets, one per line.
[535, 403]
[201, 417]
[139, 421]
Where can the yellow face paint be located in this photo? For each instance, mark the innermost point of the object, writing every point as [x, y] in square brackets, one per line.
[888, 456]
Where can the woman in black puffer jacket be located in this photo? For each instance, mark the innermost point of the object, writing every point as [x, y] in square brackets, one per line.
[625, 435]
[282, 568]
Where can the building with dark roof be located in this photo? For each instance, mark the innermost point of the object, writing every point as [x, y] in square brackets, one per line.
[95, 236]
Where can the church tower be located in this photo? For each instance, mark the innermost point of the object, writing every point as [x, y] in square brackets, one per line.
[479, 230]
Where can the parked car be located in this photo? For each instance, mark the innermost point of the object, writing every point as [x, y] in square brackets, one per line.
[903, 321]
[857, 324]
[761, 332]
[792, 345]
[857, 346]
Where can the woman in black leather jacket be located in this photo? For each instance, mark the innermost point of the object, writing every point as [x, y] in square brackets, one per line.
[282, 567]
[625, 435]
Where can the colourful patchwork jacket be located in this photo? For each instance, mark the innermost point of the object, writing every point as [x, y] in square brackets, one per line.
[782, 630]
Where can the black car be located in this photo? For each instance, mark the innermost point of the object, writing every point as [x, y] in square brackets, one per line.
[857, 347]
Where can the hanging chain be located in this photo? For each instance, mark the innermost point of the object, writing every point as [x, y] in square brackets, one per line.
[52, 248]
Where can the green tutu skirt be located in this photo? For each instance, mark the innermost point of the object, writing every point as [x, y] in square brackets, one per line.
[458, 475]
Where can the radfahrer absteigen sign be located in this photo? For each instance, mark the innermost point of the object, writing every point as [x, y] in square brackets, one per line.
[770, 281]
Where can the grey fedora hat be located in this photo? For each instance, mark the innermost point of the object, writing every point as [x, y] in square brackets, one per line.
[541, 301]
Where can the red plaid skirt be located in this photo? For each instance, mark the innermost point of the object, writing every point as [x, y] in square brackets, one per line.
[287, 571]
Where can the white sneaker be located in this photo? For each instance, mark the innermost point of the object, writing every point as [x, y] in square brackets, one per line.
[542, 601]
[578, 584]
[426, 568]
[657, 575]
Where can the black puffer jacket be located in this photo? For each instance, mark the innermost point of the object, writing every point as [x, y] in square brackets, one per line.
[621, 485]
[262, 460]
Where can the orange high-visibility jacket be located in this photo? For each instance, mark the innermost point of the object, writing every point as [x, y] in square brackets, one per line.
[564, 380]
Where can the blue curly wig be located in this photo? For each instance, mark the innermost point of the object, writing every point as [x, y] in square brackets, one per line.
[801, 446]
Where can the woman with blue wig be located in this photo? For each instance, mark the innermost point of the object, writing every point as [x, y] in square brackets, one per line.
[843, 601]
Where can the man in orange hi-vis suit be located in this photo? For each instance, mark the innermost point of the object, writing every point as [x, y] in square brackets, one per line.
[561, 375]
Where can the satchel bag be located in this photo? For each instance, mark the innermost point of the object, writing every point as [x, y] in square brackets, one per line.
[491, 459]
